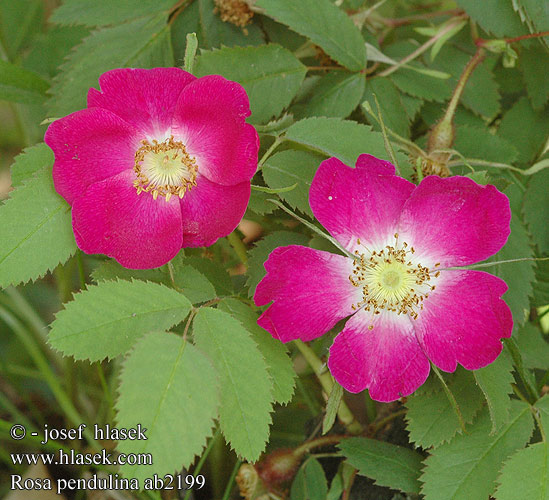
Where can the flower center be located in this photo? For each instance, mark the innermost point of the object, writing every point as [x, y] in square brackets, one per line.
[391, 280]
[164, 168]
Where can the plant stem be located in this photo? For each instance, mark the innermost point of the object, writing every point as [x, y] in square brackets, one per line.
[384, 421]
[402, 21]
[481, 42]
[327, 383]
[229, 486]
[451, 398]
[81, 271]
[277, 142]
[420, 50]
[41, 362]
[105, 387]
[317, 443]
[203, 458]
[477, 58]
[238, 247]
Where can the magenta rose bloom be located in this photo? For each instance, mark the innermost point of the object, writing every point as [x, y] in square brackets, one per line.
[408, 304]
[159, 160]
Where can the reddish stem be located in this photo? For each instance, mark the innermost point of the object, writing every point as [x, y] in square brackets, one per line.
[481, 42]
[402, 21]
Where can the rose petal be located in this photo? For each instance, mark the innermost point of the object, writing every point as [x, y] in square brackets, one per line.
[463, 320]
[146, 98]
[138, 231]
[90, 145]
[310, 289]
[210, 211]
[455, 221]
[386, 359]
[210, 120]
[363, 202]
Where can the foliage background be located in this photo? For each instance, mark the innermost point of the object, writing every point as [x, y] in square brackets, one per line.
[313, 70]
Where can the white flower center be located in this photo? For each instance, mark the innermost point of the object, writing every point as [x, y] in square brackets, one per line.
[164, 168]
[391, 279]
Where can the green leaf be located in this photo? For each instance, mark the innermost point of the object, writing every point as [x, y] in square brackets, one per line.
[414, 83]
[476, 142]
[526, 129]
[21, 85]
[270, 74]
[20, 23]
[200, 17]
[143, 43]
[481, 93]
[533, 347]
[335, 95]
[106, 320]
[525, 474]
[49, 49]
[258, 255]
[30, 161]
[494, 16]
[541, 285]
[392, 110]
[289, 167]
[215, 272]
[537, 14]
[246, 389]
[259, 205]
[110, 270]
[519, 276]
[542, 406]
[495, 382]
[389, 465]
[171, 389]
[193, 284]
[35, 231]
[536, 209]
[535, 66]
[279, 364]
[345, 139]
[431, 419]
[332, 406]
[412, 105]
[467, 466]
[310, 482]
[94, 13]
[325, 25]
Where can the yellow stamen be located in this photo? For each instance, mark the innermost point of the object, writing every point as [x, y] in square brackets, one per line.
[164, 169]
[391, 280]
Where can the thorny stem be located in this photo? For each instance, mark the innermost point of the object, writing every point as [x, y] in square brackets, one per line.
[477, 58]
[423, 48]
[327, 383]
[188, 324]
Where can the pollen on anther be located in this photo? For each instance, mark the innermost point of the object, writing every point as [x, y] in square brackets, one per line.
[168, 170]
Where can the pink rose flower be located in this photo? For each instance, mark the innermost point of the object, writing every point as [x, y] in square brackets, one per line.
[408, 304]
[159, 160]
